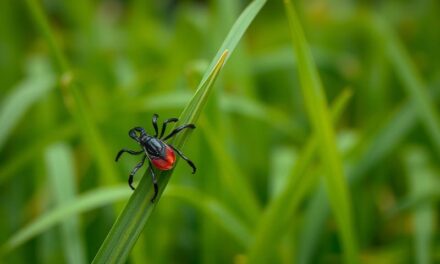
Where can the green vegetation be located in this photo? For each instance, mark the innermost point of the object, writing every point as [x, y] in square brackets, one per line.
[317, 140]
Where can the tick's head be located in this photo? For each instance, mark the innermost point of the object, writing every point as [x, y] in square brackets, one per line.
[139, 134]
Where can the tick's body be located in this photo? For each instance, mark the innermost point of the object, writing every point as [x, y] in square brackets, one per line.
[160, 154]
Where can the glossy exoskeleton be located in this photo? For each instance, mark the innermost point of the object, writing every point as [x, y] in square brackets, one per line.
[160, 154]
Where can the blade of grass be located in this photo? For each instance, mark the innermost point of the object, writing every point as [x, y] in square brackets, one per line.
[237, 31]
[420, 181]
[127, 228]
[91, 200]
[410, 78]
[130, 223]
[83, 203]
[378, 146]
[316, 105]
[132, 220]
[281, 209]
[60, 166]
[39, 81]
[77, 106]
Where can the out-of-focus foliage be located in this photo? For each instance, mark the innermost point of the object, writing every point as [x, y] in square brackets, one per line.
[71, 90]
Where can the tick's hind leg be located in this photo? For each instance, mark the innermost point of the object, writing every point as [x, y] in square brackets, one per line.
[132, 152]
[133, 172]
[178, 130]
[190, 163]
[156, 187]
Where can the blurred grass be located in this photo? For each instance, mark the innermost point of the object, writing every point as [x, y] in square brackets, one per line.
[37, 84]
[410, 79]
[421, 179]
[316, 105]
[130, 223]
[62, 180]
[74, 99]
[260, 193]
[281, 210]
[86, 202]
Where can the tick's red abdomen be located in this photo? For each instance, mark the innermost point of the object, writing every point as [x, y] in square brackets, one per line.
[167, 162]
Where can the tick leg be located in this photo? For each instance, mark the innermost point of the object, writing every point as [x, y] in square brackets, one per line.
[190, 163]
[179, 129]
[133, 172]
[154, 120]
[156, 187]
[132, 152]
[164, 125]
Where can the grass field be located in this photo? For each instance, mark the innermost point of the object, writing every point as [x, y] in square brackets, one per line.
[317, 133]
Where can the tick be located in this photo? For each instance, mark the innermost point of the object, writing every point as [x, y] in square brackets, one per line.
[159, 153]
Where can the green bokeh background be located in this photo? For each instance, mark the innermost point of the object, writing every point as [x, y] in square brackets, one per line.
[130, 59]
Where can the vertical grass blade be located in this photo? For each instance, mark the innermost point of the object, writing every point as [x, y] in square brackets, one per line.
[39, 81]
[281, 209]
[411, 80]
[386, 138]
[78, 108]
[61, 174]
[317, 109]
[236, 32]
[377, 147]
[132, 220]
[421, 178]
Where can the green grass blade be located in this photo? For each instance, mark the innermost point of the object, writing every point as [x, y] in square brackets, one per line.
[78, 109]
[91, 200]
[421, 178]
[130, 223]
[377, 147]
[237, 31]
[83, 203]
[316, 105]
[132, 220]
[281, 209]
[39, 82]
[315, 218]
[61, 174]
[410, 79]
[42, 23]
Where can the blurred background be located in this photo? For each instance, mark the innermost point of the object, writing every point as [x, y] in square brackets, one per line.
[130, 59]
